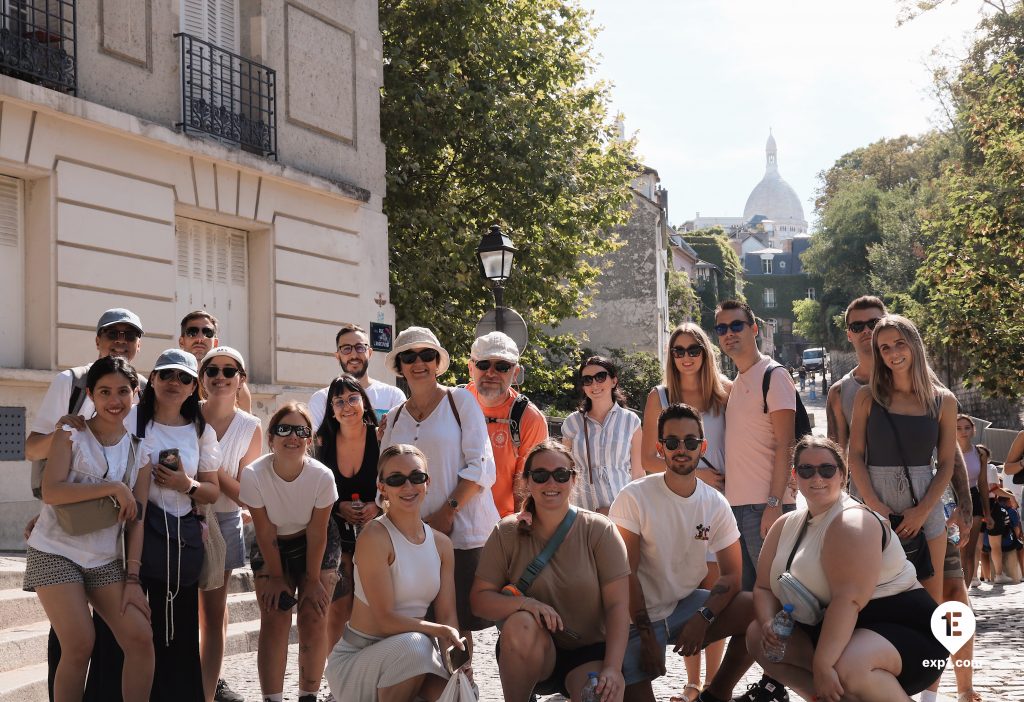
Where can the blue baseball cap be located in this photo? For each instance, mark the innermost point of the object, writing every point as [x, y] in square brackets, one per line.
[177, 359]
[119, 315]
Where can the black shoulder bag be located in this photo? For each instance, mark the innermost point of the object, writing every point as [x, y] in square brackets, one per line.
[916, 548]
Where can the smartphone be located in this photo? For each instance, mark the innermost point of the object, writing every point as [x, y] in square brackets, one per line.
[170, 459]
[285, 601]
[454, 658]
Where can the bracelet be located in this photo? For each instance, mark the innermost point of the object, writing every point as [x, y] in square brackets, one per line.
[132, 578]
[259, 577]
[133, 560]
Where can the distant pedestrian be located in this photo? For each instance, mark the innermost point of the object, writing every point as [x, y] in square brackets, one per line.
[802, 373]
[976, 459]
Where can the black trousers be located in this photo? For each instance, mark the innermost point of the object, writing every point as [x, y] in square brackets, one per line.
[104, 681]
[178, 676]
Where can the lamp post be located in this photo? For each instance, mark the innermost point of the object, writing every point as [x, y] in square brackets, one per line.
[495, 253]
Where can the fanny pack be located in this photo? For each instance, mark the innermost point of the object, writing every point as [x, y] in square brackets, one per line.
[807, 609]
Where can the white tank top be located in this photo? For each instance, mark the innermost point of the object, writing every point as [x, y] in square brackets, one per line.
[415, 572]
[233, 446]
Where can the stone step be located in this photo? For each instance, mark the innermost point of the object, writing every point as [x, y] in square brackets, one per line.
[12, 574]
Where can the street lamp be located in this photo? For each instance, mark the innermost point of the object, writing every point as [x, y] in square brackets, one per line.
[496, 253]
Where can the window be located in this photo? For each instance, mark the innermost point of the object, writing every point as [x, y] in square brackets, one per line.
[810, 294]
[773, 324]
[766, 266]
[12, 272]
[769, 297]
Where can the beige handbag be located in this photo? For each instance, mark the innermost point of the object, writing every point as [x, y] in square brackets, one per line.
[78, 518]
[215, 554]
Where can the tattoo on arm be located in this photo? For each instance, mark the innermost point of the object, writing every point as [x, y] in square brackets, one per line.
[960, 484]
[719, 589]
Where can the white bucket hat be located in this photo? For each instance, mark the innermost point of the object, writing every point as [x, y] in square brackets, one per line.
[417, 338]
[495, 345]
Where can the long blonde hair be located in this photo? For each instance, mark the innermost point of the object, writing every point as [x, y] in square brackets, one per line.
[712, 390]
[924, 383]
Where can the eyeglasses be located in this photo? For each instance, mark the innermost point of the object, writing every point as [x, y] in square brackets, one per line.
[346, 349]
[690, 443]
[691, 351]
[541, 476]
[353, 399]
[228, 371]
[417, 477]
[166, 374]
[425, 355]
[300, 430]
[858, 327]
[208, 332]
[735, 326]
[500, 366]
[825, 470]
[598, 378]
[115, 334]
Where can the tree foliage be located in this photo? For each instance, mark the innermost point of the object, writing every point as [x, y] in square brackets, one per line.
[683, 305]
[489, 113]
[712, 245]
[638, 372]
[809, 322]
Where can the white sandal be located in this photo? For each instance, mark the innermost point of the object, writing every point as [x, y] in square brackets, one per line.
[685, 697]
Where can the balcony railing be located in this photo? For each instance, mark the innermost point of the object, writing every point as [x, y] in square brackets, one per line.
[38, 42]
[228, 97]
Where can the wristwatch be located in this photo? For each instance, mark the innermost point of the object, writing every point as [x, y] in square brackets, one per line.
[453, 503]
[192, 490]
[773, 501]
[707, 614]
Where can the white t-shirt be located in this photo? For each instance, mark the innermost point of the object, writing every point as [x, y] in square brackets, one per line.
[89, 463]
[382, 396]
[676, 534]
[289, 505]
[55, 404]
[453, 453]
[233, 446]
[196, 455]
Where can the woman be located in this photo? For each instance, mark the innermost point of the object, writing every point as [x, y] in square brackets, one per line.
[603, 436]
[347, 445]
[574, 618]
[871, 637]
[976, 459]
[900, 419]
[692, 378]
[241, 438]
[71, 573]
[402, 567]
[291, 495]
[183, 452]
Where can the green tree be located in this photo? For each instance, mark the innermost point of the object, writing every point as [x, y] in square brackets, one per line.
[683, 305]
[638, 372]
[712, 245]
[809, 321]
[489, 113]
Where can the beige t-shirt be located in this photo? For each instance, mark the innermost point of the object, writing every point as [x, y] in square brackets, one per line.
[591, 555]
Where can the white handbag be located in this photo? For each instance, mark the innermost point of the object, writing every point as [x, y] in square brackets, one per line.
[458, 689]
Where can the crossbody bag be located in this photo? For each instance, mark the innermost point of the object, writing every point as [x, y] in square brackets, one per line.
[78, 518]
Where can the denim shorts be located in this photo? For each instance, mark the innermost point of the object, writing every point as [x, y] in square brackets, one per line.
[231, 529]
[666, 630]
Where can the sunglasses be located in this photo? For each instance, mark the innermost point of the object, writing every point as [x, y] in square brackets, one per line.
[214, 371]
[346, 349]
[353, 399]
[208, 332]
[690, 443]
[858, 327]
[417, 477]
[691, 351]
[115, 334]
[500, 366]
[168, 373]
[425, 355]
[735, 326]
[300, 430]
[825, 470]
[589, 380]
[561, 475]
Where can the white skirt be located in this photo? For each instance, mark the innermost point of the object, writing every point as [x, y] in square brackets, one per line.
[359, 665]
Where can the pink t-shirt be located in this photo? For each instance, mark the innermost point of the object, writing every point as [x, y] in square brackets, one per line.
[749, 439]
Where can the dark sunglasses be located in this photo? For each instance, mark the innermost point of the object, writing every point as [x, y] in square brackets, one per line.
[691, 351]
[735, 326]
[300, 430]
[208, 332]
[115, 334]
[346, 349]
[858, 327]
[690, 443]
[168, 373]
[425, 355]
[825, 470]
[417, 477]
[500, 366]
[589, 380]
[561, 475]
[214, 371]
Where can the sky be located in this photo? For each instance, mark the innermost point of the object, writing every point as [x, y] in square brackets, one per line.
[700, 83]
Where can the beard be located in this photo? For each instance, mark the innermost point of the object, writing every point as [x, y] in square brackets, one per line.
[683, 468]
[357, 373]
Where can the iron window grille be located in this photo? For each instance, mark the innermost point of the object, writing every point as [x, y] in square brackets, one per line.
[227, 96]
[38, 42]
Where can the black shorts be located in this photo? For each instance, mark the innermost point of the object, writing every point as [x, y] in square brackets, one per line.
[293, 558]
[466, 561]
[976, 505]
[566, 660]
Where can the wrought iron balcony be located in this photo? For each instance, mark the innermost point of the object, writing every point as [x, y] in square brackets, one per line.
[228, 97]
[38, 42]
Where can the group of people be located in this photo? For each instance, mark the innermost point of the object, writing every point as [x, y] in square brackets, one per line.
[397, 526]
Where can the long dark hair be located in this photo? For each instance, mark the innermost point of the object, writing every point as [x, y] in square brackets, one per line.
[330, 426]
[189, 408]
[528, 504]
[613, 373]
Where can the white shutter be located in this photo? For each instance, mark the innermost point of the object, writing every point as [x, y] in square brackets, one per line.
[10, 211]
[12, 274]
[193, 18]
[222, 16]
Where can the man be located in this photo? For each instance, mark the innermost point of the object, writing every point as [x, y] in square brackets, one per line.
[861, 317]
[514, 424]
[353, 353]
[758, 444]
[199, 334]
[670, 522]
[118, 333]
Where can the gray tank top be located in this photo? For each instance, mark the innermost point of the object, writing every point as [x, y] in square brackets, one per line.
[848, 387]
[919, 435]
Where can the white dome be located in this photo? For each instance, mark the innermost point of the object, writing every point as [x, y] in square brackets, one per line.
[773, 198]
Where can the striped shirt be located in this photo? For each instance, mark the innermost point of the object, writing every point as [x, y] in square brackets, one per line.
[608, 468]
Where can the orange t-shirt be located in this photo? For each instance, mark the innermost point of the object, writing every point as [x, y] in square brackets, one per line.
[507, 459]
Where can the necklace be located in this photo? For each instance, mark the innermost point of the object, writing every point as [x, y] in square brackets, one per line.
[419, 412]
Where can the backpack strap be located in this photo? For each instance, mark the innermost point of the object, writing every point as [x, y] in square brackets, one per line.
[515, 418]
[766, 382]
[537, 565]
[78, 382]
[663, 395]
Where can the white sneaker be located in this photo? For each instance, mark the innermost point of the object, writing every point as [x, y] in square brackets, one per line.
[975, 583]
[1003, 579]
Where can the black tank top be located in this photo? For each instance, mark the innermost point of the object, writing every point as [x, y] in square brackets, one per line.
[363, 483]
[919, 435]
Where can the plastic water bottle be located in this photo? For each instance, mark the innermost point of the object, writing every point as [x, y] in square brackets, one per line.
[357, 505]
[590, 689]
[782, 625]
[952, 530]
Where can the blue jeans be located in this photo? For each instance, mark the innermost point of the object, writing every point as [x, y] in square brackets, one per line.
[665, 630]
[748, 519]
